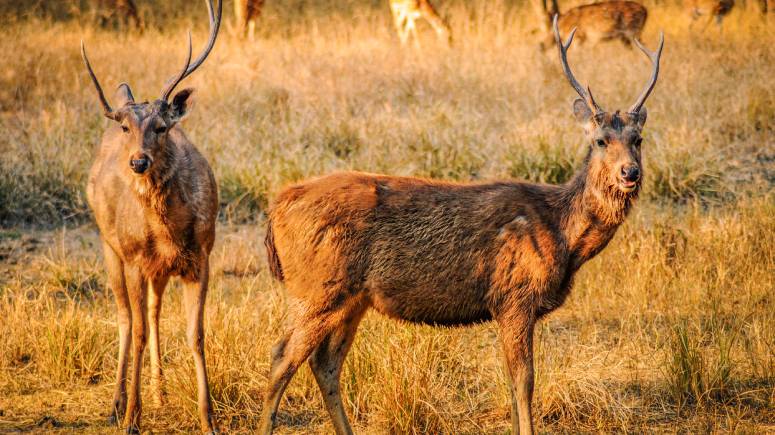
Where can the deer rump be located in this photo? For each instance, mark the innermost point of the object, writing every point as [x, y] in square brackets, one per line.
[418, 250]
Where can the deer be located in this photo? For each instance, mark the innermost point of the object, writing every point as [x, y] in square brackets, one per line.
[715, 10]
[446, 253]
[406, 12]
[246, 12]
[155, 202]
[621, 20]
[121, 10]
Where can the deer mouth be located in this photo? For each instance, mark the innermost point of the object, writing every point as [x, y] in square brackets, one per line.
[628, 186]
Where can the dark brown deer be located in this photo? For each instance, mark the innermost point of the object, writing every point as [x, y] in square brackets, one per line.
[246, 13]
[714, 9]
[604, 21]
[121, 11]
[155, 202]
[445, 253]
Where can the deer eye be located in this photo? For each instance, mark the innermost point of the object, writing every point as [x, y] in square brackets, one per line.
[637, 142]
[124, 128]
[161, 129]
[601, 143]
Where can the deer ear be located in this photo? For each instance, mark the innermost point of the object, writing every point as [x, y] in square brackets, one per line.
[581, 111]
[181, 105]
[640, 117]
[124, 95]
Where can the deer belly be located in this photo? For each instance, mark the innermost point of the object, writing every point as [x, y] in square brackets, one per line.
[444, 307]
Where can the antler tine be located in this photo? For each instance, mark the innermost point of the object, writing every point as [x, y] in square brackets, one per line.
[171, 86]
[654, 57]
[585, 95]
[105, 105]
[215, 25]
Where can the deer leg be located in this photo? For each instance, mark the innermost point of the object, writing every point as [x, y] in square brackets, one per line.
[326, 363]
[136, 287]
[155, 292]
[517, 336]
[443, 32]
[400, 22]
[306, 333]
[194, 296]
[251, 30]
[412, 29]
[115, 270]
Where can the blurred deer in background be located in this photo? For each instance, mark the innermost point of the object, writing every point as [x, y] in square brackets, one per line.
[713, 9]
[609, 20]
[246, 13]
[406, 12]
[445, 253]
[121, 11]
[155, 201]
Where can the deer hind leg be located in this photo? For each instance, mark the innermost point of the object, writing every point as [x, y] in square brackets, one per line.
[115, 270]
[194, 296]
[326, 363]
[443, 32]
[155, 292]
[137, 291]
[305, 334]
[517, 338]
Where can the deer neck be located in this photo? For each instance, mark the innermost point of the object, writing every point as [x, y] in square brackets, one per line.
[154, 190]
[591, 214]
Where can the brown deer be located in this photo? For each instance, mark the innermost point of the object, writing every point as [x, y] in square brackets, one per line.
[122, 11]
[406, 12]
[155, 201]
[445, 253]
[621, 20]
[246, 12]
[714, 9]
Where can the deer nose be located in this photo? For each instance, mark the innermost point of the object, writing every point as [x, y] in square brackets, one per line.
[630, 173]
[140, 165]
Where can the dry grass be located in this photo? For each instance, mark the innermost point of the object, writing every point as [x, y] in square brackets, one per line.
[671, 329]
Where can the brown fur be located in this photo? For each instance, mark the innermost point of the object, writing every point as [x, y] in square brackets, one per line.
[621, 20]
[406, 12]
[154, 223]
[246, 13]
[714, 9]
[439, 253]
[122, 11]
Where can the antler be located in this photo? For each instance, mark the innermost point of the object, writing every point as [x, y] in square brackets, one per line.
[654, 57]
[585, 95]
[215, 24]
[105, 106]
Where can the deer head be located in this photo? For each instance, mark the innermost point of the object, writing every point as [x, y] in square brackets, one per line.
[614, 138]
[145, 126]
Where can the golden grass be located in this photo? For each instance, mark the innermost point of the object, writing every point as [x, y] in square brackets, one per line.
[671, 329]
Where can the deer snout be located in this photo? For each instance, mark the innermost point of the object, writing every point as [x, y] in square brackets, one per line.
[139, 163]
[630, 173]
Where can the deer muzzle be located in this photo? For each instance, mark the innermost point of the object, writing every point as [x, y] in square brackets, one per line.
[139, 163]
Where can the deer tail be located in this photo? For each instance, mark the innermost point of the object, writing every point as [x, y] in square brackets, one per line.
[271, 253]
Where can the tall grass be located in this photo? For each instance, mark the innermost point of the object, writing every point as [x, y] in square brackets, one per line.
[671, 328]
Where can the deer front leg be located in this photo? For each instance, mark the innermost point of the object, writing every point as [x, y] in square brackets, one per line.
[155, 293]
[517, 337]
[136, 289]
[115, 270]
[194, 296]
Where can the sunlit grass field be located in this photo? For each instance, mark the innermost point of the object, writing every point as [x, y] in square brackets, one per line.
[670, 329]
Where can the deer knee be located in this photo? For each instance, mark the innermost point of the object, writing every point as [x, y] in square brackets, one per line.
[195, 341]
[139, 339]
[278, 350]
